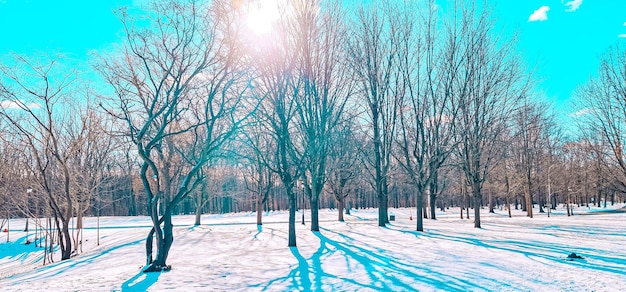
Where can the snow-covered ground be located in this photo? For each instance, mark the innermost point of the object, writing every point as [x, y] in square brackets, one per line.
[230, 253]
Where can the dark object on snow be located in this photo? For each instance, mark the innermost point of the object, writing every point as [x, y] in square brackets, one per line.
[573, 256]
[392, 217]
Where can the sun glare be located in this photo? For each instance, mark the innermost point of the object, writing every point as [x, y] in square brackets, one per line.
[261, 15]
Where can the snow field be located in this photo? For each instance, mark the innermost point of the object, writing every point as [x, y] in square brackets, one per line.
[231, 253]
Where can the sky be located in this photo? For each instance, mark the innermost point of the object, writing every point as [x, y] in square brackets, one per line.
[564, 40]
[561, 40]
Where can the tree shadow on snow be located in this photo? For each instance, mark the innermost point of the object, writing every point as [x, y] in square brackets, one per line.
[545, 253]
[302, 271]
[141, 282]
[382, 272]
[389, 273]
[259, 229]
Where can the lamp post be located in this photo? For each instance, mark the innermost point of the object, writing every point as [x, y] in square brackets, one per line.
[28, 191]
[549, 193]
[301, 186]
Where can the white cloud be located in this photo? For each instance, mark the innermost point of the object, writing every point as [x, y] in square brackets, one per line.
[581, 112]
[573, 5]
[622, 35]
[540, 14]
[9, 104]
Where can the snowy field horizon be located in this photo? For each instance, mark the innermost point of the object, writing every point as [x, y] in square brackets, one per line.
[229, 252]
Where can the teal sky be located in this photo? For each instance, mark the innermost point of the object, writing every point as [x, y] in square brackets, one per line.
[72, 27]
[563, 43]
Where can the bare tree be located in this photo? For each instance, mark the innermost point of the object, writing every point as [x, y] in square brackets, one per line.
[325, 88]
[372, 52]
[343, 165]
[531, 129]
[178, 84]
[427, 73]
[603, 109]
[31, 106]
[274, 57]
[258, 154]
[489, 84]
[89, 165]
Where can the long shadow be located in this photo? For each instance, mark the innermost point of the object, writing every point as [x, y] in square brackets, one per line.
[325, 249]
[302, 271]
[19, 250]
[316, 261]
[536, 250]
[59, 267]
[383, 268]
[141, 282]
[299, 276]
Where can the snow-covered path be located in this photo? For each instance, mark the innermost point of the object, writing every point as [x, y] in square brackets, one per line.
[230, 253]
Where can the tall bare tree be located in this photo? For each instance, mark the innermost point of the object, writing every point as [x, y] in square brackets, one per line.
[89, 166]
[33, 94]
[531, 127]
[326, 85]
[259, 151]
[372, 53]
[427, 75]
[603, 110]
[489, 84]
[178, 84]
[343, 165]
[274, 57]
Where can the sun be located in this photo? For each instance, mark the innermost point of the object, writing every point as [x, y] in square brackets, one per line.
[262, 15]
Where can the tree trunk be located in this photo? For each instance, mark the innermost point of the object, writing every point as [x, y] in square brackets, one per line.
[434, 190]
[198, 215]
[508, 206]
[292, 220]
[477, 203]
[567, 204]
[613, 198]
[468, 203]
[163, 243]
[259, 212]
[79, 228]
[132, 209]
[199, 204]
[149, 242]
[315, 225]
[433, 207]
[491, 202]
[340, 208]
[418, 210]
[383, 217]
[66, 246]
[529, 201]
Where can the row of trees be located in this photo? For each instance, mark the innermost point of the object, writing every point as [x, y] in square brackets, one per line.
[386, 104]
